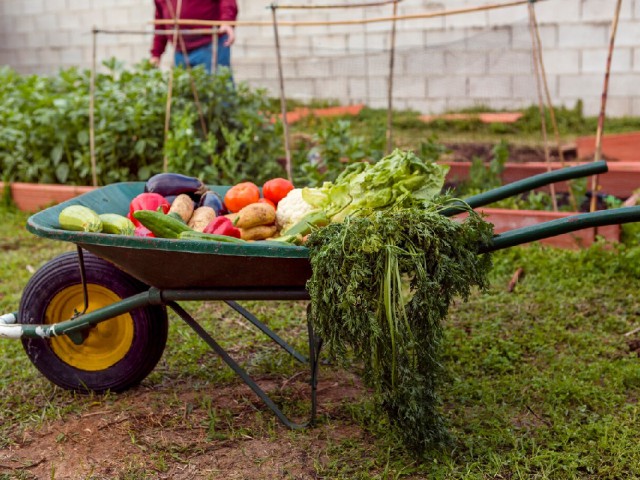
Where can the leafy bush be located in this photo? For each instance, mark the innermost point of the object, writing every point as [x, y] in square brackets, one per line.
[44, 127]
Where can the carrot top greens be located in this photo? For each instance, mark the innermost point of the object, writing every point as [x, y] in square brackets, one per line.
[380, 289]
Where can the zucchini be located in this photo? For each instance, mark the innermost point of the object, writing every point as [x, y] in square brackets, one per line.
[80, 219]
[163, 226]
[117, 224]
[192, 235]
[285, 240]
[176, 216]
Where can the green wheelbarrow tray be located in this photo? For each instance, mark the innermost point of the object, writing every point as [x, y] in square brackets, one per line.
[172, 263]
[189, 264]
[168, 271]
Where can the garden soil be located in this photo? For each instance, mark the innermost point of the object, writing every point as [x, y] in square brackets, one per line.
[164, 432]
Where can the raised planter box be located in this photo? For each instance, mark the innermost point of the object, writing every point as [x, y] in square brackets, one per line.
[301, 112]
[31, 197]
[505, 220]
[622, 179]
[617, 147]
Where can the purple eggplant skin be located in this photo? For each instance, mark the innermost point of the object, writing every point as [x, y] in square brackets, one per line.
[213, 200]
[169, 184]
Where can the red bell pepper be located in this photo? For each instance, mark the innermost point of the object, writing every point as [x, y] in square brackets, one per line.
[222, 226]
[147, 201]
[143, 231]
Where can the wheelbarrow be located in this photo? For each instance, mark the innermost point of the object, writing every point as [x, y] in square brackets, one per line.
[96, 319]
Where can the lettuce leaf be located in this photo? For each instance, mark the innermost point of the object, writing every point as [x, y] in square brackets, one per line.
[362, 187]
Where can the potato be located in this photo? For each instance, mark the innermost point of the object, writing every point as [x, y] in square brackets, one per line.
[232, 216]
[256, 214]
[183, 206]
[201, 217]
[261, 232]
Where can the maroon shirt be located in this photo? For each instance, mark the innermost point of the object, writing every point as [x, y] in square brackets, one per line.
[192, 10]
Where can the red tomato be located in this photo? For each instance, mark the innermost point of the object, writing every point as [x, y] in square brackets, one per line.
[241, 195]
[276, 189]
[267, 201]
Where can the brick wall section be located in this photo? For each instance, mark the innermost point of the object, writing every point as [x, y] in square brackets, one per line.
[441, 63]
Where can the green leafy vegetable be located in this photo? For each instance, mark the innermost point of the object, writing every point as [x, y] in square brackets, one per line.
[381, 286]
[389, 181]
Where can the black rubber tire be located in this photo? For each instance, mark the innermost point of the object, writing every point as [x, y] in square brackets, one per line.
[150, 325]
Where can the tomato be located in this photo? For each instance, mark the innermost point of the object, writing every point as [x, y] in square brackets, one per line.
[276, 189]
[267, 201]
[241, 195]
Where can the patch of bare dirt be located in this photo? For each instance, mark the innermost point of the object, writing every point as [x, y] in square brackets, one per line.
[173, 432]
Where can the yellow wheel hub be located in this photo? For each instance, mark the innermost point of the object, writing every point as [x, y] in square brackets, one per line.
[104, 344]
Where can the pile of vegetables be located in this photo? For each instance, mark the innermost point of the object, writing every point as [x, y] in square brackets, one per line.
[178, 206]
[385, 265]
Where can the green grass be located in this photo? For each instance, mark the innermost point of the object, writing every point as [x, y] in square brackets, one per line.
[542, 382]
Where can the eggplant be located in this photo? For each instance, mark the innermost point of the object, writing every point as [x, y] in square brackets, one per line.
[172, 184]
[213, 200]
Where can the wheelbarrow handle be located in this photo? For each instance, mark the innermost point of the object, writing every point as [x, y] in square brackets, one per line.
[524, 185]
[561, 226]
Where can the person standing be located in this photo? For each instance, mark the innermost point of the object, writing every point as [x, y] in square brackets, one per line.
[199, 48]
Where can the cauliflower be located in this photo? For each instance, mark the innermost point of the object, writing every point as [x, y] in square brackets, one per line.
[291, 209]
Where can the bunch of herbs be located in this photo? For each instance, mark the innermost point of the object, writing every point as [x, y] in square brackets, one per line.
[380, 288]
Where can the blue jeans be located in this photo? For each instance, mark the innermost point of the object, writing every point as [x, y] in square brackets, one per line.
[203, 55]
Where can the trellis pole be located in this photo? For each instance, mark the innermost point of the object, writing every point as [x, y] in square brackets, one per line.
[543, 119]
[413, 16]
[283, 102]
[92, 96]
[552, 112]
[603, 103]
[167, 115]
[392, 56]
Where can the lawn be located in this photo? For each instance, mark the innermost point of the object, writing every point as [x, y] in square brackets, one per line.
[542, 382]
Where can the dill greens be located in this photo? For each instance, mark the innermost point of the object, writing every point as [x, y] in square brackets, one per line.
[380, 289]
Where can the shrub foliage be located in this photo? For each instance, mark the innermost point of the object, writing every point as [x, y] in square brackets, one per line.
[44, 127]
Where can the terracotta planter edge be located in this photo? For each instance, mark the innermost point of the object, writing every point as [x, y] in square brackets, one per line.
[31, 197]
[505, 220]
[622, 179]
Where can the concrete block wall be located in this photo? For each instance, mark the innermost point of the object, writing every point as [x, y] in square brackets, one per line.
[441, 63]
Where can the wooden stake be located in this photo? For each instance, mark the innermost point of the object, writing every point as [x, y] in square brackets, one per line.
[283, 102]
[339, 5]
[415, 16]
[603, 103]
[392, 56]
[167, 117]
[543, 119]
[92, 100]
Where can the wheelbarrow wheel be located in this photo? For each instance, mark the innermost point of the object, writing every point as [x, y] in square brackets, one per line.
[115, 354]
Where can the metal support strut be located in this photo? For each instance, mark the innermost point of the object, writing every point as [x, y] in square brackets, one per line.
[267, 331]
[314, 354]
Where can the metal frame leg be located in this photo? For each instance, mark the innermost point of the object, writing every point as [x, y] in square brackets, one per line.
[315, 345]
[267, 331]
